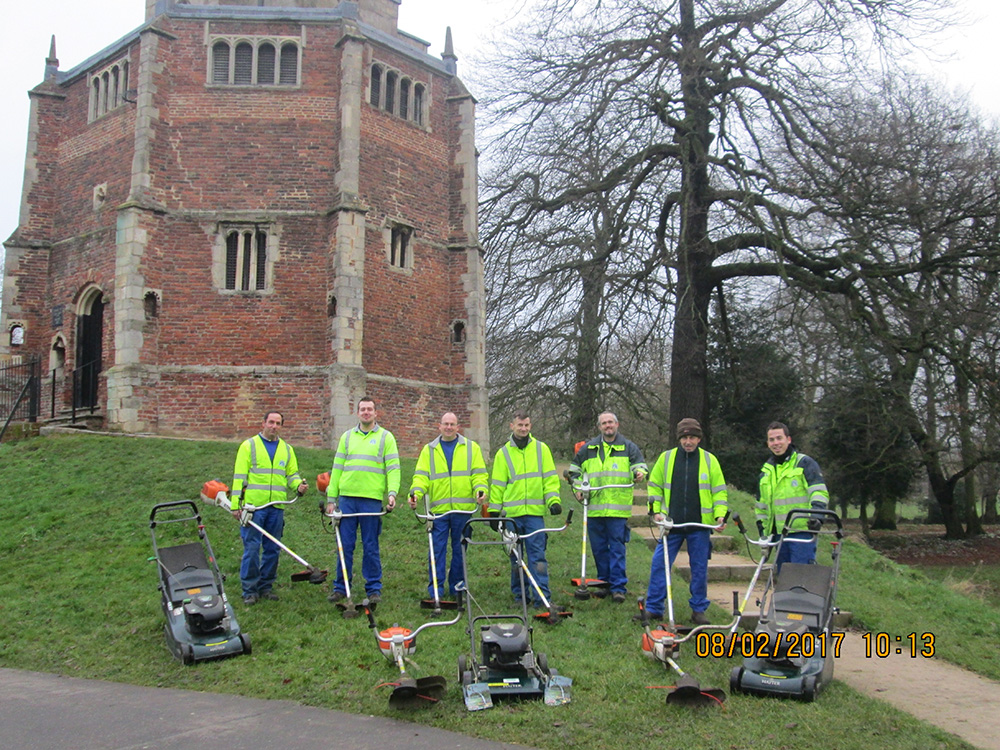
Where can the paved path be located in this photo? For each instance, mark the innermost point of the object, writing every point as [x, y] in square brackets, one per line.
[49, 712]
[949, 697]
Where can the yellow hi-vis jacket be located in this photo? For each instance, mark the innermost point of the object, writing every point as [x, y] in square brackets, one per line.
[604, 463]
[264, 481]
[524, 482]
[455, 489]
[365, 465]
[793, 483]
[712, 493]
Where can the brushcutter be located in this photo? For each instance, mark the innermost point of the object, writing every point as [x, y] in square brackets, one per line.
[217, 493]
[764, 545]
[348, 609]
[584, 489]
[662, 644]
[397, 644]
[436, 602]
[514, 544]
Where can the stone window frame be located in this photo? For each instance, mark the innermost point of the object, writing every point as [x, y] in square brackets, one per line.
[234, 271]
[258, 63]
[399, 257]
[397, 94]
[108, 87]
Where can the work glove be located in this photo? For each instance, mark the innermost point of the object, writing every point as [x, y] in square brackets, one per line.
[495, 525]
[555, 509]
[814, 524]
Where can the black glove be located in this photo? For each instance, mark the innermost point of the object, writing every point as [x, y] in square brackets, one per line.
[814, 524]
[555, 509]
[495, 525]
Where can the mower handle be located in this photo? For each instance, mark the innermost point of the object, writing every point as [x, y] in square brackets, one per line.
[813, 514]
[338, 514]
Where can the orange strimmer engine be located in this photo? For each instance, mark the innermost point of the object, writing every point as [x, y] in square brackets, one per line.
[211, 491]
[409, 645]
[659, 644]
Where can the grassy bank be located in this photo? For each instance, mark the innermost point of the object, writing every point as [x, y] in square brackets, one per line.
[79, 598]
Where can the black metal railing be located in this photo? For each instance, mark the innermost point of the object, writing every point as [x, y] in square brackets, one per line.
[20, 392]
[85, 387]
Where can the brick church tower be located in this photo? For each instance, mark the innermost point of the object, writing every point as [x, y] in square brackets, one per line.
[259, 204]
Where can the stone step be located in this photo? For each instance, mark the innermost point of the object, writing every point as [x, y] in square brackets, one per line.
[720, 542]
[721, 593]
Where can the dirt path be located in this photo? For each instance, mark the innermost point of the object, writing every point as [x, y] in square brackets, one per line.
[949, 697]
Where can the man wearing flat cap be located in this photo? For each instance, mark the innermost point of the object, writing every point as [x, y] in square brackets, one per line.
[686, 484]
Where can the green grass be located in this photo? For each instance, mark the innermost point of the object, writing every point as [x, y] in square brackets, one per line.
[79, 598]
[979, 581]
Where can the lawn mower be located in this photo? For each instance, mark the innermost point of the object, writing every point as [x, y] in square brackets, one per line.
[584, 584]
[200, 623]
[663, 643]
[216, 491]
[793, 651]
[506, 666]
[397, 644]
[436, 602]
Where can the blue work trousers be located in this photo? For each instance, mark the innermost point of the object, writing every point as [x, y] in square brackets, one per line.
[533, 550]
[608, 537]
[259, 566]
[371, 527]
[445, 528]
[796, 552]
[699, 549]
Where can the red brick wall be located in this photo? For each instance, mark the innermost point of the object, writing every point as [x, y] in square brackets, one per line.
[222, 153]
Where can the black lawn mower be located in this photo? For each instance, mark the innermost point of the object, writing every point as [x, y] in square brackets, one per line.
[200, 621]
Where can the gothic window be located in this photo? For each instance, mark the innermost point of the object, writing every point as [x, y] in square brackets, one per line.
[107, 89]
[376, 90]
[247, 257]
[390, 92]
[397, 95]
[404, 97]
[418, 104]
[254, 61]
[400, 254]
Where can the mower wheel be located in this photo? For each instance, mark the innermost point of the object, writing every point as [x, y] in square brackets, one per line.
[809, 689]
[467, 677]
[735, 678]
[187, 653]
[463, 666]
[245, 640]
[543, 663]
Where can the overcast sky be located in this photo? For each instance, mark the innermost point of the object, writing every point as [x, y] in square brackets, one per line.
[83, 28]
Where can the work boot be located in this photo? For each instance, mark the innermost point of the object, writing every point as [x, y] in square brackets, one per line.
[250, 599]
[375, 598]
[599, 593]
[618, 597]
[699, 618]
[270, 595]
[336, 596]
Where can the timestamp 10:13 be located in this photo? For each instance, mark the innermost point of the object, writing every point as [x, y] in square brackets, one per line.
[881, 645]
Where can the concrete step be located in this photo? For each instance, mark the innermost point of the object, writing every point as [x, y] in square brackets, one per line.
[721, 593]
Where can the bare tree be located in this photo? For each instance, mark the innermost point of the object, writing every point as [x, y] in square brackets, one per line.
[695, 96]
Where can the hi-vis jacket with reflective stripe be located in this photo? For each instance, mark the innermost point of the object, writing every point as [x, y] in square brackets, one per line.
[524, 482]
[454, 490]
[365, 465]
[796, 482]
[608, 463]
[265, 481]
[712, 492]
